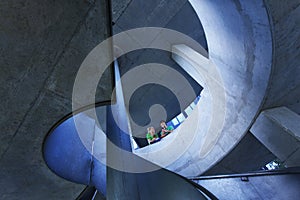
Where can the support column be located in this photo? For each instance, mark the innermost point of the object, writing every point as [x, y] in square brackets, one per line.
[120, 185]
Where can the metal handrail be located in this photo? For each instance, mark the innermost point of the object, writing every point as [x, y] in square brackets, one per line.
[87, 193]
[291, 170]
[199, 187]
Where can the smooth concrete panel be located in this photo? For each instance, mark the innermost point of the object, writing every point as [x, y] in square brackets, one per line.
[242, 52]
[248, 155]
[179, 23]
[120, 185]
[285, 82]
[279, 130]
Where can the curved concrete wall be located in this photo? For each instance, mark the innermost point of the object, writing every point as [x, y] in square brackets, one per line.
[75, 150]
[240, 46]
[284, 87]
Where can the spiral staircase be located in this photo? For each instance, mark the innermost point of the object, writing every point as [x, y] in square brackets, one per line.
[246, 69]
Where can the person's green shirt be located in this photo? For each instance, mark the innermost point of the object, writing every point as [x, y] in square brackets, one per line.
[169, 128]
[150, 137]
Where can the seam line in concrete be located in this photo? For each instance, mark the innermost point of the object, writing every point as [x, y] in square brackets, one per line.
[123, 11]
[41, 92]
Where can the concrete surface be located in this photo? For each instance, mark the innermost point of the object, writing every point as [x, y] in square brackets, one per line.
[196, 141]
[159, 13]
[259, 187]
[144, 185]
[243, 158]
[120, 185]
[76, 150]
[40, 38]
[279, 130]
[284, 86]
[246, 78]
[191, 138]
[42, 46]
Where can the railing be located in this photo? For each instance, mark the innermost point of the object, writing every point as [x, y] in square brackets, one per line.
[71, 114]
[291, 170]
[88, 193]
[202, 189]
[190, 180]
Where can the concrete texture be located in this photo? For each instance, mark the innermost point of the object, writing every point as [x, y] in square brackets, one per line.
[167, 14]
[42, 40]
[279, 130]
[284, 86]
[76, 150]
[243, 61]
[259, 187]
[245, 64]
[118, 8]
[158, 13]
[120, 185]
[190, 149]
[243, 158]
[123, 185]
[199, 132]
[42, 46]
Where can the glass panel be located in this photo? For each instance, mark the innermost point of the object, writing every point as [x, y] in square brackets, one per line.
[175, 121]
[188, 110]
[193, 105]
[181, 117]
[197, 99]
